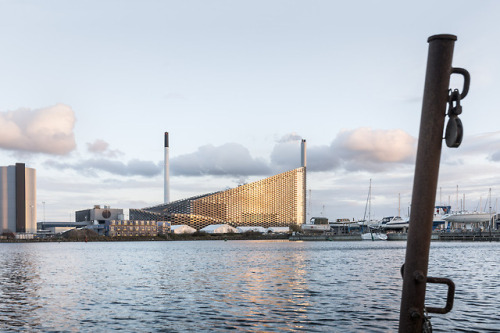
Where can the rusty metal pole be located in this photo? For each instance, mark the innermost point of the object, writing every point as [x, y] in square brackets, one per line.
[437, 81]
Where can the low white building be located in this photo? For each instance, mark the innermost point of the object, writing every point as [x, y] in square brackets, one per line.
[219, 229]
[278, 230]
[182, 229]
[262, 230]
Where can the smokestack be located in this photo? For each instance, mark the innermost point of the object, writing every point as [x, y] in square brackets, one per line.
[303, 159]
[166, 185]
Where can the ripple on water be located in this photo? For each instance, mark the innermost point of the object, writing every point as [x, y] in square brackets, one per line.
[242, 285]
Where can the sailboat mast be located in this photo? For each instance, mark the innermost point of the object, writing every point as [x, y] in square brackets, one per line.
[370, 202]
[399, 204]
[490, 222]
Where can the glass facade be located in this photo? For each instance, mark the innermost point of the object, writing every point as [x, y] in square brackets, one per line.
[277, 201]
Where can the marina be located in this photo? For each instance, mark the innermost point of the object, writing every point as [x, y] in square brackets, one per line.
[469, 227]
[400, 236]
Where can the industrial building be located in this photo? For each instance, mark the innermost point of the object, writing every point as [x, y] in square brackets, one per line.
[129, 228]
[108, 221]
[101, 215]
[277, 201]
[17, 199]
[112, 222]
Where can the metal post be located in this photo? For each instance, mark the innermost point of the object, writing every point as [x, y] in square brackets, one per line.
[437, 80]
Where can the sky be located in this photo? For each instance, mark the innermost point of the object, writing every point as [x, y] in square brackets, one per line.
[88, 88]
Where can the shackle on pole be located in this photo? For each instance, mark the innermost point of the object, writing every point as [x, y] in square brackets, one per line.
[455, 129]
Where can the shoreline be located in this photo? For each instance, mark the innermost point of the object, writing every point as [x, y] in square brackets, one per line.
[166, 238]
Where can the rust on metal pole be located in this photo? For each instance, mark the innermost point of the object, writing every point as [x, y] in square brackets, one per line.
[437, 80]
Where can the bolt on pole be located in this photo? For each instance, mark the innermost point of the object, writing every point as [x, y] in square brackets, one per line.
[437, 81]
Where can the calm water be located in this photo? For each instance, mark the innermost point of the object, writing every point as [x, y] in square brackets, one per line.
[252, 286]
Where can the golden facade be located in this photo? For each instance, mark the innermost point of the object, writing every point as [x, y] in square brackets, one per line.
[277, 201]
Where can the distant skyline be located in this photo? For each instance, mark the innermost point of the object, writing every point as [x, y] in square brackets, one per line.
[88, 89]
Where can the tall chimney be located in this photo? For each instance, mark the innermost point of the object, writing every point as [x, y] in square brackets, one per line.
[166, 185]
[303, 159]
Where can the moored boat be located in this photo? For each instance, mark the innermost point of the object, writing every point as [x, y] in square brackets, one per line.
[394, 223]
[374, 236]
[469, 217]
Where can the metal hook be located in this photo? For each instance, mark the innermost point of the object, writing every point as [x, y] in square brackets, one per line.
[466, 75]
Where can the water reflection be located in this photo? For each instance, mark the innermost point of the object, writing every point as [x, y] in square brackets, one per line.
[19, 283]
[238, 285]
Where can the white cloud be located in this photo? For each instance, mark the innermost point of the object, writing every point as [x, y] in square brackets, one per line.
[47, 130]
[373, 150]
[361, 149]
[101, 148]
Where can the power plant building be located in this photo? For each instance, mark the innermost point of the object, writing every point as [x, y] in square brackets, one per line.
[277, 201]
[17, 199]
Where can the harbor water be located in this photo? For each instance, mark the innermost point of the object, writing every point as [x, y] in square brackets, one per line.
[247, 286]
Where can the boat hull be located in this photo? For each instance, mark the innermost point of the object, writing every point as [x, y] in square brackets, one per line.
[468, 218]
[374, 236]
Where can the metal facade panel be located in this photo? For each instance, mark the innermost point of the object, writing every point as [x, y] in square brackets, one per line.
[277, 201]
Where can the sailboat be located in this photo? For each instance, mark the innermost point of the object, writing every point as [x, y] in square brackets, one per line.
[371, 234]
[396, 223]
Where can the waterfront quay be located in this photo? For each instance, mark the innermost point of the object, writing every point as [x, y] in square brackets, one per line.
[464, 236]
[483, 236]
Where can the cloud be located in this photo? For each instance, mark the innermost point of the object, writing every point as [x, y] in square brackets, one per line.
[290, 138]
[101, 148]
[495, 157]
[483, 147]
[373, 150]
[47, 130]
[229, 159]
[362, 149]
[91, 166]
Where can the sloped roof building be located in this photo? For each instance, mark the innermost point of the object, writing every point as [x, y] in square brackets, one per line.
[277, 201]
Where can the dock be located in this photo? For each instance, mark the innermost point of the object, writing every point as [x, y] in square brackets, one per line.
[325, 237]
[470, 236]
